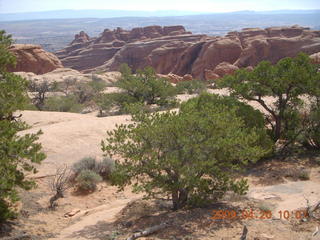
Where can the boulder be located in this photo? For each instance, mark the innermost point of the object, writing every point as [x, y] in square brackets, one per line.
[225, 68]
[187, 77]
[315, 58]
[210, 75]
[32, 58]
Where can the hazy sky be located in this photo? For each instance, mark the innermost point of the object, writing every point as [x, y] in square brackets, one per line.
[10, 6]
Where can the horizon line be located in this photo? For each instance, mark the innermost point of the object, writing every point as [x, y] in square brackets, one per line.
[164, 10]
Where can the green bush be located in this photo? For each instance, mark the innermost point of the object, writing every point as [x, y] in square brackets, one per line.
[143, 87]
[87, 180]
[190, 155]
[190, 87]
[63, 104]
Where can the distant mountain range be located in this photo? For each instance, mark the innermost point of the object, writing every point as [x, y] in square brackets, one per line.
[54, 34]
[67, 14]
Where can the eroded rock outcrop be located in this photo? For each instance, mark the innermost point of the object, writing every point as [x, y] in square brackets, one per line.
[32, 58]
[173, 50]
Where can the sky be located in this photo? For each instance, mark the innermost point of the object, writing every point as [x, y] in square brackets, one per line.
[12, 6]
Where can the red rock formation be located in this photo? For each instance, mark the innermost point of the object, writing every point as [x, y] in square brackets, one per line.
[82, 37]
[32, 58]
[173, 50]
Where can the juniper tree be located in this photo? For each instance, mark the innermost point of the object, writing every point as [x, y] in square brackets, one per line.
[285, 81]
[189, 155]
[18, 154]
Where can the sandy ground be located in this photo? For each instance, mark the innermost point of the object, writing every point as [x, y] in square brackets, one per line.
[68, 137]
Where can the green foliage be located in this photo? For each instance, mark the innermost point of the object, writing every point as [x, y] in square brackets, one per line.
[63, 104]
[13, 94]
[312, 127]
[18, 154]
[6, 58]
[190, 87]
[87, 180]
[252, 118]
[144, 87]
[190, 155]
[285, 82]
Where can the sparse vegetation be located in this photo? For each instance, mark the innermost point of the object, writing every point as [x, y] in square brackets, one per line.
[190, 156]
[18, 154]
[63, 104]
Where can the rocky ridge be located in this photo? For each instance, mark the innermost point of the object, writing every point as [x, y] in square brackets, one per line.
[174, 50]
[32, 58]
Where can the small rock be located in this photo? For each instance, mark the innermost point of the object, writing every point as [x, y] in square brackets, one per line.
[265, 236]
[72, 213]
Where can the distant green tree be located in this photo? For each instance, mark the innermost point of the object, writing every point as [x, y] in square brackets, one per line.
[143, 87]
[18, 154]
[286, 82]
[191, 87]
[190, 155]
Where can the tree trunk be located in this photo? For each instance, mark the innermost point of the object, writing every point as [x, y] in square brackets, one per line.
[179, 198]
[278, 128]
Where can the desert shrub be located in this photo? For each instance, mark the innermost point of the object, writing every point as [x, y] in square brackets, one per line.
[190, 87]
[63, 104]
[40, 90]
[18, 153]
[190, 155]
[87, 180]
[144, 87]
[117, 101]
[304, 175]
[285, 82]
[97, 84]
[103, 168]
[87, 163]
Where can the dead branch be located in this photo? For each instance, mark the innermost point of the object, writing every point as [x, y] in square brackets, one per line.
[244, 233]
[148, 231]
[59, 184]
[312, 208]
[315, 232]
